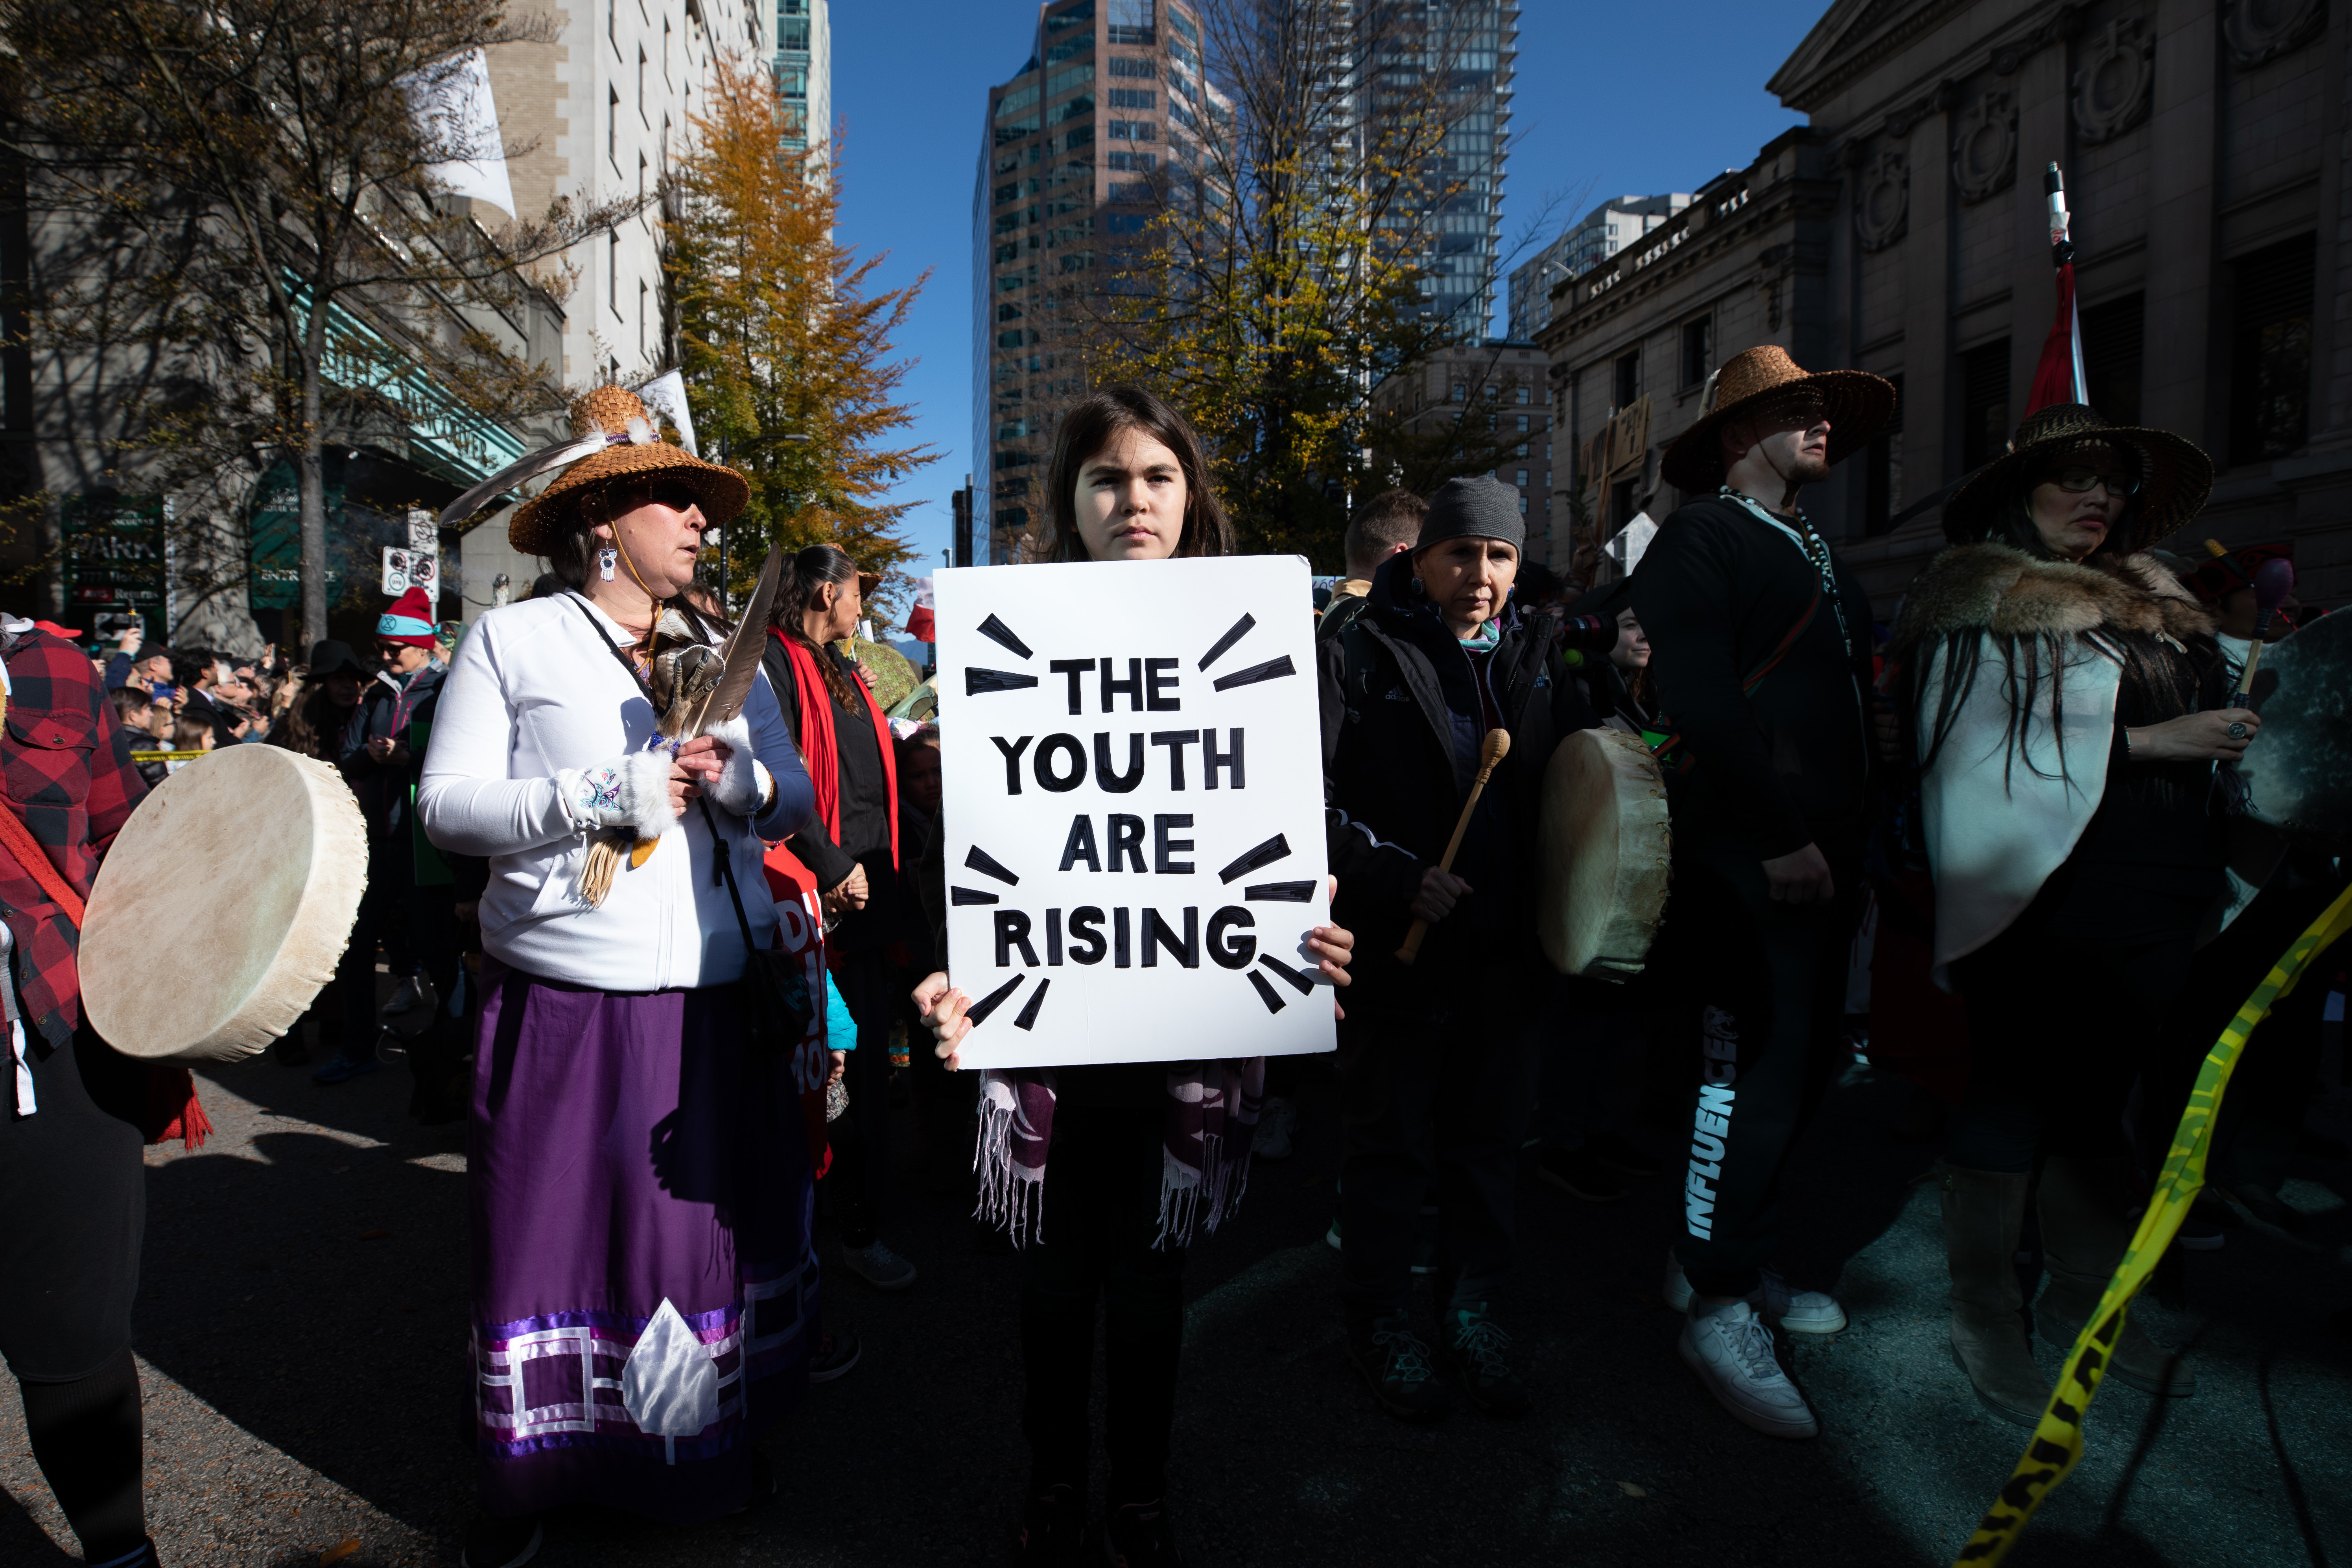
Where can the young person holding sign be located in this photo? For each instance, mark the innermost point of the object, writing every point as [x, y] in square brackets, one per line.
[1129, 482]
[1437, 1065]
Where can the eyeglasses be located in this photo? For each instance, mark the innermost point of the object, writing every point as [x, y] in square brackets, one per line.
[2082, 482]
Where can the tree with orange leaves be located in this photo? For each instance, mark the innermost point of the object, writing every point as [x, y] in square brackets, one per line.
[789, 356]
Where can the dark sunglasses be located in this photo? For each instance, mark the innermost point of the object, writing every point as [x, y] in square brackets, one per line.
[674, 494]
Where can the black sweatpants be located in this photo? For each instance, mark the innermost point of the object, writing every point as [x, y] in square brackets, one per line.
[73, 1189]
[1100, 1213]
[1435, 1088]
[1768, 981]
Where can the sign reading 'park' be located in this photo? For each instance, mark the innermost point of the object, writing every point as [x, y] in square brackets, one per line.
[1134, 810]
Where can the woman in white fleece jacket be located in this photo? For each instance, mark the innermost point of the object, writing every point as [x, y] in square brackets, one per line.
[644, 1288]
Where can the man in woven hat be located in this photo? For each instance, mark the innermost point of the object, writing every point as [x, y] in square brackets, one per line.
[1761, 653]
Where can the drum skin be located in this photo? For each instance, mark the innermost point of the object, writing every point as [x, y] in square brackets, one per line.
[1606, 854]
[223, 907]
[2298, 773]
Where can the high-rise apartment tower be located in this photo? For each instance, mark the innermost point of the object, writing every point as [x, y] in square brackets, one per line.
[804, 69]
[1476, 44]
[1111, 94]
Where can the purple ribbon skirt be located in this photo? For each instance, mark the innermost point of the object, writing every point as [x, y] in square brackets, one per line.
[623, 1153]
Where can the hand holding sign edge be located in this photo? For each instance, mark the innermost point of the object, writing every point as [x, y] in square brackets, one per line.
[941, 1005]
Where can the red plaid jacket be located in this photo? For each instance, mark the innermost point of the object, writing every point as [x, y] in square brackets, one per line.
[65, 764]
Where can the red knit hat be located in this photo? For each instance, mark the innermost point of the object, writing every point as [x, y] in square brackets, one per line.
[410, 620]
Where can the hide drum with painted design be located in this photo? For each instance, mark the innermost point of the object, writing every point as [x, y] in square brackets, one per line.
[223, 907]
[1604, 852]
[2297, 775]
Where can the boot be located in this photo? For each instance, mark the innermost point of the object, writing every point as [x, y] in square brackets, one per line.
[2084, 1234]
[1983, 1212]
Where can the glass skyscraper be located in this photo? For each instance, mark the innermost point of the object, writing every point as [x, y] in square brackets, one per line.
[1111, 94]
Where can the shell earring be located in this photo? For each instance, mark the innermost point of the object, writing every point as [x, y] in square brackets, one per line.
[605, 559]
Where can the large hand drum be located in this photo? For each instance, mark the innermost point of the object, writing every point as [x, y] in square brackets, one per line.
[2298, 772]
[1604, 852]
[223, 907]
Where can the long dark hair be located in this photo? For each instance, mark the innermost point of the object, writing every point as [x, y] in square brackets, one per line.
[803, 575]
[572, 554]
[1089, 426]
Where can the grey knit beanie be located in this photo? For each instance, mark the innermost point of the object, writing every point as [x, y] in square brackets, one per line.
[1474, 508]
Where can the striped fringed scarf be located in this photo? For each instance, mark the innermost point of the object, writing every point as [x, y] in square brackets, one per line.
[1211, 1125]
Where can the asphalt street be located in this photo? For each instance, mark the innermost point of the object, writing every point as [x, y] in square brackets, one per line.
[301, 1326]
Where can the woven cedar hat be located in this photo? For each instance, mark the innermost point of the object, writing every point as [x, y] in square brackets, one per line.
[2175, 476]
[633, 448]
[1856, 403]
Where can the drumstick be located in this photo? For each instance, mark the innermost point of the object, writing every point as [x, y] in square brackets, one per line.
[2273, 581]
[1497, 745]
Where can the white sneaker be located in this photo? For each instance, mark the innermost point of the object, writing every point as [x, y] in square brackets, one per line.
[412, 995]
[1798, 1311]
[878, 1267]
[1276, 1122]
[1731, 1350]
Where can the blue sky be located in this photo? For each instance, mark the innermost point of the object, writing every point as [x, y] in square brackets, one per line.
[1611, 99]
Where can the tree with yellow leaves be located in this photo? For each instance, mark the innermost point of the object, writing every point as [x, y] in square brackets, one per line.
[1281, 283]
[789, 356]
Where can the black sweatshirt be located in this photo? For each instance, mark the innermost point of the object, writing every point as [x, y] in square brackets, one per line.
[1717, 591]
[865, 811]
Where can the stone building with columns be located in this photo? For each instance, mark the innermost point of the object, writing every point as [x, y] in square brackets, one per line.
[1903, 231]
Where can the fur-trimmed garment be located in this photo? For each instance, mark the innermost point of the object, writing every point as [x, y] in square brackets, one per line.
[2022, 766]
[2003, 589]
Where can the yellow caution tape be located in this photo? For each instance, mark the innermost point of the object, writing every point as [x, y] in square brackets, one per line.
[2058, 1437]
[167, 756]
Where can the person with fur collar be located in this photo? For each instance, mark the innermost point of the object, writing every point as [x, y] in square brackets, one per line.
[2066, 699]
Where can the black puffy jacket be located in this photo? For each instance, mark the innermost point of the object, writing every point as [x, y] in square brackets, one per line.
[1405, 708]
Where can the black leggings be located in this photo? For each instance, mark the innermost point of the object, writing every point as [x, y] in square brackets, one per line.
[1101, 1212]
[86, 1437]
[2059, 1030]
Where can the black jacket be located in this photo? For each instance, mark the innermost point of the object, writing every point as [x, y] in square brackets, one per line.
[1787, 764]
[1405, 710]
[385, 790]
[865, 811]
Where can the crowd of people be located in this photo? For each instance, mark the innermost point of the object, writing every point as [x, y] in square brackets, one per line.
[1978, 841]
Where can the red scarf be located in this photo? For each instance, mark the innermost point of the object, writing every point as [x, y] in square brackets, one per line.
[818, 749]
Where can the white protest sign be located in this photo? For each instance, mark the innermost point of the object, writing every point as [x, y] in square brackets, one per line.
[1134, 812]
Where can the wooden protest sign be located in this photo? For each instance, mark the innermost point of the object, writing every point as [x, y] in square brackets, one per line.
[1134, 809]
